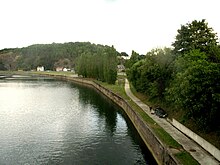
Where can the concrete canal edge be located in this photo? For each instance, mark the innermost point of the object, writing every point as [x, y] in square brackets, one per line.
[162, 154]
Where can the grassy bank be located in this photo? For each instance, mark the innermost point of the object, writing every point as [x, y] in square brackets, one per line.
[183, 156]
[212, 137]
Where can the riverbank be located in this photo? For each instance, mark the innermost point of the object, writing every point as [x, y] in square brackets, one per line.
[163, 147]
[162, 153]
[191, 143]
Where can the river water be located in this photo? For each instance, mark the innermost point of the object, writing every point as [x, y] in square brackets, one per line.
[45, 121]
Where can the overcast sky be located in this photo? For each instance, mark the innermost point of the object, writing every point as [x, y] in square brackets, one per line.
[139, 25]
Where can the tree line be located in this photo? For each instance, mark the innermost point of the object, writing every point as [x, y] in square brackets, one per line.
[101, 65]
[89, 60]
[186, 77]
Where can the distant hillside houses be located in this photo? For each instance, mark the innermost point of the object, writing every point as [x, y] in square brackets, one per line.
[60, 69]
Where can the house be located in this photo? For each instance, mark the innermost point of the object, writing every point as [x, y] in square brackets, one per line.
[59, 69]
[65, 69]
[40, 68]
[121, 68]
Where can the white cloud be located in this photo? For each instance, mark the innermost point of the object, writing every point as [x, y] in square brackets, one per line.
[138, 25]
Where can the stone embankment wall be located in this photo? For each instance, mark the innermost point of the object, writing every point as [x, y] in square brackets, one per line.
[161, 153]
[202, 142]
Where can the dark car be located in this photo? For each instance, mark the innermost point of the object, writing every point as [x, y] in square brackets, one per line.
[160, 112]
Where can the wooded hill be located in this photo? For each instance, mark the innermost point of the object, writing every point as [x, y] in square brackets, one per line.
[47, 55]
[91, 60]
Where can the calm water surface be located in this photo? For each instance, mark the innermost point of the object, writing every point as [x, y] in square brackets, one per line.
[45, 121]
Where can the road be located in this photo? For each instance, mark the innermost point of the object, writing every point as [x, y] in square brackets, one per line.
[202, 156]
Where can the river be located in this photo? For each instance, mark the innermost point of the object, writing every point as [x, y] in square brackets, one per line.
[46, 121]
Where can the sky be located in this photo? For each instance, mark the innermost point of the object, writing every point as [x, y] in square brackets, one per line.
[139, 25]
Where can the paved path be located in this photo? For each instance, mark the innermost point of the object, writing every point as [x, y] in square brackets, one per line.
[189, 145]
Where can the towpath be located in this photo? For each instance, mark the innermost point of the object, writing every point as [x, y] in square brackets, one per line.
[202, 156]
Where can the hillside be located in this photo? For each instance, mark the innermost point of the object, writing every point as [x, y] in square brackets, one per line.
[48, 55]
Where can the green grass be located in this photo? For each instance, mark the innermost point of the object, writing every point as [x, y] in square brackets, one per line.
[53, 73]
[117, 88]
[5, 72]
[186, 158]
[160, 132]
[166, 138]
[183, 156]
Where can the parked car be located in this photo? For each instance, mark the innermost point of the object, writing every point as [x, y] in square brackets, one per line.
[160, 112]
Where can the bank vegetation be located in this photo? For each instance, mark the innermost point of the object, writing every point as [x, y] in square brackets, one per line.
[183, 80]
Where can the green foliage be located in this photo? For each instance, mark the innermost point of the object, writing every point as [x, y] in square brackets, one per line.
[190, 81]
[63, 63]
[51, 55]
[186, 158]
[194, 35]
[186, 78]
[2, 67]
[7, 60]
[151, 75]
[101, 65]
[135, 57]
[123, 54]
[196, 89]
[48, 55]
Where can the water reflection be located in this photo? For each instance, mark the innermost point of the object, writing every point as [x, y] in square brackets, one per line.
[53, 122]
[101, 104]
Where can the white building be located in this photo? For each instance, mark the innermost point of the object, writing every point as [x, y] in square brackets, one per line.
[40, 68]
[65, 69]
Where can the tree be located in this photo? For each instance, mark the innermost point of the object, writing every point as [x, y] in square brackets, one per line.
[152, 74]
[123, 54]
[110, 65]
[8, 61]
[134, 58]
[2, 67]
[63, 63]
[100, 64]
[196, 89]
[194, 35]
